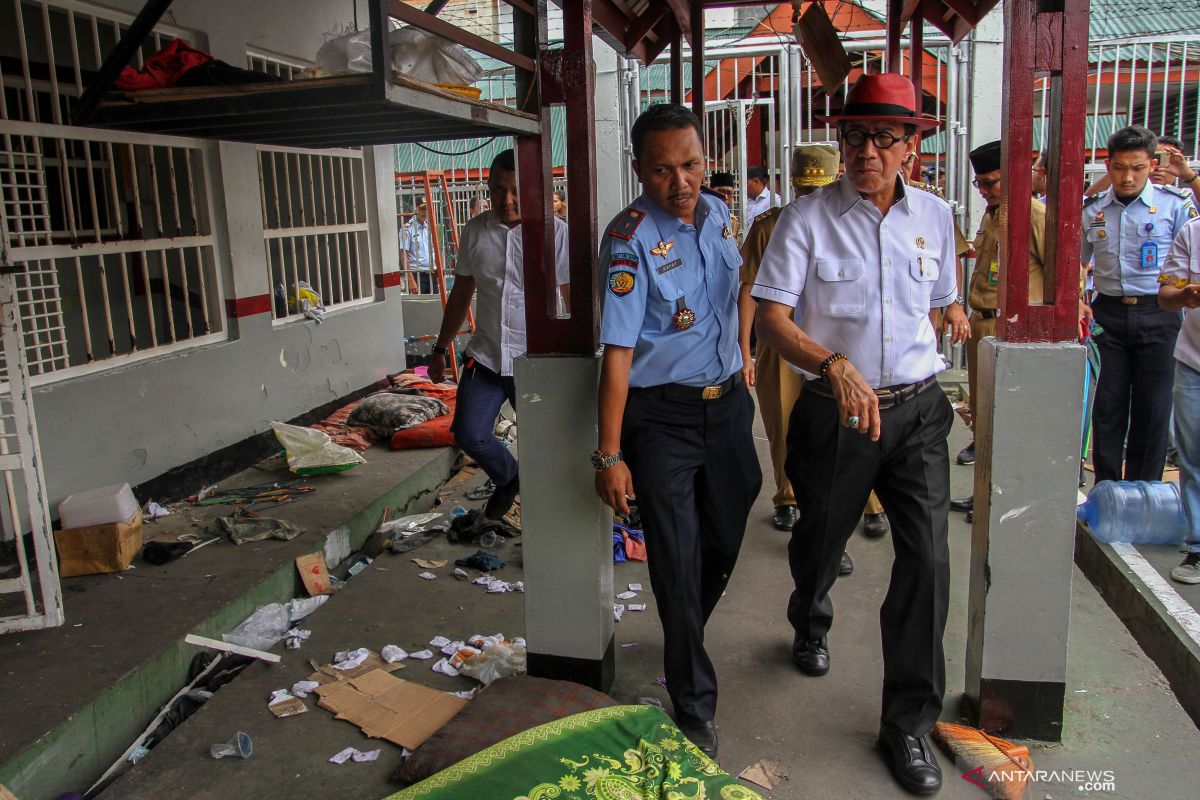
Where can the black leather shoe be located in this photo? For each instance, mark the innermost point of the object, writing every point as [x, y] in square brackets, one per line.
[966, 456]
[847, 566]
[502, 499]
[812, 657]
[876, 525]
[966, 504]
[912, 761]
[703, 736]
[784, 518]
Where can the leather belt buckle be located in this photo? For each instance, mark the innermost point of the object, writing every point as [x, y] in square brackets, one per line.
[1129, 300]
[710, 393]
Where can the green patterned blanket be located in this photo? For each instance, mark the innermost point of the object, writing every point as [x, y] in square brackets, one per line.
[616, 753]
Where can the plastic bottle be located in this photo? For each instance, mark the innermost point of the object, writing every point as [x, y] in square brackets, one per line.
[458, 511]
[1137, 512]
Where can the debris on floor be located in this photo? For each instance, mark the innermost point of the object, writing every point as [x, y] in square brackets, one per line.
[314, 573]
[284, 704]
[481, 560]
[245, 529]
[767, 773]
[357, 756]
[386, 707]
[239, 746]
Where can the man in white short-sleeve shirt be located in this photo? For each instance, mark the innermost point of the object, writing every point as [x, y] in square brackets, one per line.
[863, 262]
[490, 261]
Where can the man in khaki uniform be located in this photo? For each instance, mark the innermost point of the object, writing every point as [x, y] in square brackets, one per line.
[775, 383]
[985, 279]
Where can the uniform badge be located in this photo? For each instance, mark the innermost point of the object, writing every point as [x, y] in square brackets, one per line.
[1191, 212]
[1149, 255]
[726, 232]
[1153, 209]
[921, 242]
[1099, 216]
[626, 224]
[624, 261]
[670, 265]
[684, 317]
[620, 282]
[663, 248]
[1102, 235]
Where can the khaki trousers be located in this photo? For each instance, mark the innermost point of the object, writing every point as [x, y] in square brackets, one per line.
[980, 328]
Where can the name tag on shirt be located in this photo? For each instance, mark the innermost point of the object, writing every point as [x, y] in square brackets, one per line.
[1149, 255]
[670, 265]
[994, 273]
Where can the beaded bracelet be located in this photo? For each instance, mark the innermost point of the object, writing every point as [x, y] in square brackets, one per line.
[829, 362]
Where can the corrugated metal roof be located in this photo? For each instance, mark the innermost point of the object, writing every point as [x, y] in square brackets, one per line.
[1116, 19]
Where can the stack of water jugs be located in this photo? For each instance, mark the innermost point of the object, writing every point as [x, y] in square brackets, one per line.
[1137, 512]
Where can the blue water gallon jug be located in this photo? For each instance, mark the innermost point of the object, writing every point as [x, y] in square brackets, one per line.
[1138, 512]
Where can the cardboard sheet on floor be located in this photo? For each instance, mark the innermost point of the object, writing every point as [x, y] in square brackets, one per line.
[385, 707]
[327, 672]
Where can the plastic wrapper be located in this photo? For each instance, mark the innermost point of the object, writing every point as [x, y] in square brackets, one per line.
[263, 629]
[312, 452]
[414, 52]
[497, 660]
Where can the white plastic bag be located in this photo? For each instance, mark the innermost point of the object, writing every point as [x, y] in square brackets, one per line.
[312, 452]
[414, 52]
[499, 660]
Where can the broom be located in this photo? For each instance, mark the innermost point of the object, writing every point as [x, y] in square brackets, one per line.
[995, 765]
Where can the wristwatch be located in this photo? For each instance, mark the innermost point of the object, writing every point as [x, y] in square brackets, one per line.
[601, 462]
[438, 350]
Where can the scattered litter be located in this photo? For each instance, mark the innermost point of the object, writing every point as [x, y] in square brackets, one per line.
[350, 659]
[661, 680]
[497, 659]
[482, 561]
[443, 666]
[470, 527]
[626, 595]
[429, 576]
[391, 654]
[650, 701]
[481, 492]
[469, 694]
[458, 511]
[618, 611]
[304, 688]
[635, 587]
[439, 642]
[263, 629]
[766, 773]
[518, 586]
[295, 637]
[225, 647]
[154, 511]
[460, 574]
[314, 573]
[497, 587]
[423, 655]
[159, 553]
[240, 746]
[335, 672]
[205, 492]
[242, 530]
[426, 563]
[407, 526]
[313, 452]
[359, 566]
[637, 606]
[483, 580]
[357, 756]
[450, 648]
[386, 707]
[283, 704]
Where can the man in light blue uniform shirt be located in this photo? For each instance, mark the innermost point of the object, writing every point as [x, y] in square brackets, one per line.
[1127, 231]
[674, 414]
[415, 252]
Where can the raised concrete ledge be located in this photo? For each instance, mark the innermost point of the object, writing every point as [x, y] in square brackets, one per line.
[76, 696]
[1168, 644]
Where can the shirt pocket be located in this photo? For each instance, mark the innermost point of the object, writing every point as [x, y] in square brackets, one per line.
[923, 270]
[840, 288]
[729, 250]
[684, 282]
[1099, 239]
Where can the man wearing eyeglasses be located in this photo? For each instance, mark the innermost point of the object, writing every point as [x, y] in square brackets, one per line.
[861, 263]
[985, 280]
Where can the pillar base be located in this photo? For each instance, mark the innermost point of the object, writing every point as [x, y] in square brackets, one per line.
[1023, 709]
[596, 673]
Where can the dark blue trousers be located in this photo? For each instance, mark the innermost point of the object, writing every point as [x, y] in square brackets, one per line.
[481, 393]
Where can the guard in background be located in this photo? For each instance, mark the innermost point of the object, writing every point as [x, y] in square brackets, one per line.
[775, 382]
[846, 288]
[983, 296]
[674, 414]
[1127, 230]
[724, 184]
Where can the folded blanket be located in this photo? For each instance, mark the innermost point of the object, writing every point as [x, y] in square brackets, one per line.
[396, 409]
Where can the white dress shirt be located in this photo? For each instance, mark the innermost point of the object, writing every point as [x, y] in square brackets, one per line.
[863, 283]
[491, 252]
[1183, 261]
[416, 244]
[757, 205]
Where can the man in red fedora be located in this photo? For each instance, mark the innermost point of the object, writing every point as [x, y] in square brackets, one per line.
[861, 264]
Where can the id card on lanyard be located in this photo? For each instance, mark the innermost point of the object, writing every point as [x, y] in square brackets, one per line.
[1150, 255]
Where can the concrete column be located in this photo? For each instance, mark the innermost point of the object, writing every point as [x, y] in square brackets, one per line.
[610, 139]
[1026, 482]
[567, 531]
[984, 123]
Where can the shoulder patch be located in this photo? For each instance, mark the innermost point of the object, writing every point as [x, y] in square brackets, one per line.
[621, 282]
[1087, 202]
[925, 187]
[766, 215]
[1175, 190]
[626, 223]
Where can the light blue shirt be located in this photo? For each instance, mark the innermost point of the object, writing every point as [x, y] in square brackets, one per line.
[1129, 244]
[695, 268]
[861, 282]
[416, 244]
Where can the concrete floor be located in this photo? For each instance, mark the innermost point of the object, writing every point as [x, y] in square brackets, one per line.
[1121, 715]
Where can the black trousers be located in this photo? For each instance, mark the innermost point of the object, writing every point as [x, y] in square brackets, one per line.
[833, 470]
[1132, 411]
[696, 474]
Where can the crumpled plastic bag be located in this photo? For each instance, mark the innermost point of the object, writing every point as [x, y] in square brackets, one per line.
[263, 629]
[242, 530]
[414, 52]
[499, 659]
[312, 452]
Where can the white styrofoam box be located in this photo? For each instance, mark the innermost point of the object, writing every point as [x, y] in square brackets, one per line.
[101, 506]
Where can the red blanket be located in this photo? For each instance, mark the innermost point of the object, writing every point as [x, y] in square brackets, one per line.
[428, 434]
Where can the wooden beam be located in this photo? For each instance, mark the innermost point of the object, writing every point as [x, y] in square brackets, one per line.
[643, 25]
[895, 27]
[965, 9]
[682, 12]
[428, 22]
[520, 5]
[676, 81]
[698, 84]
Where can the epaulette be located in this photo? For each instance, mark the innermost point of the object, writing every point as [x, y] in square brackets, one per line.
[766, 215]
[1175, 190]
[712, 192]
[1092, 199]
[926, 187]
[626, 223]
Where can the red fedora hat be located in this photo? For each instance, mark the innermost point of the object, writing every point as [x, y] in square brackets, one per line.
[884, 98]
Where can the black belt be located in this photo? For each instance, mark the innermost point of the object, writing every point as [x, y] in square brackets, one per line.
[987, 313]
[677, 391]
[1130, 299]
[888, 397]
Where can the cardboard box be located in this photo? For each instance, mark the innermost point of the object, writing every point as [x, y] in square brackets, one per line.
[386, 707]
[98, 548]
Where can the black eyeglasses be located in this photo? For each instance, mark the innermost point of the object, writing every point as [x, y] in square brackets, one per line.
[884, 140]
[978, 184]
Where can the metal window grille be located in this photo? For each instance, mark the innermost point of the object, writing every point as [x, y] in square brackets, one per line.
[112, 228]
